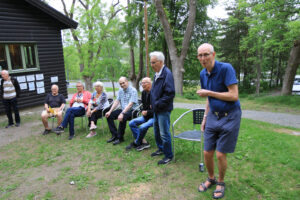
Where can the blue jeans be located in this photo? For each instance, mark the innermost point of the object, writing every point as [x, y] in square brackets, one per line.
[140, 132]
[69, 118]
[162, 133]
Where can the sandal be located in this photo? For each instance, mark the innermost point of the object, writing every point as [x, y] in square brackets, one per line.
[211, 181]
[222, 191]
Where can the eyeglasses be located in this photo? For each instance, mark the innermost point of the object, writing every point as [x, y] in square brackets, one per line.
[205, 55]
[144, 83]
[153, 62]
[122, 83]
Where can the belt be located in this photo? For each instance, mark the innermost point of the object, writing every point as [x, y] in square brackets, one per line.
[220, 114]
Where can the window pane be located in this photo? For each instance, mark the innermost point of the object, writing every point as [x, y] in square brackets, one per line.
[3, 61]
[29, 56]
[15, 56]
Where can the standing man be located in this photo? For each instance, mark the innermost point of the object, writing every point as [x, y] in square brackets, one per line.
[10, 91]
[128, 98]
[222, 117]
[78, 105]
[140, 125]
[162, 95]
[54, 105]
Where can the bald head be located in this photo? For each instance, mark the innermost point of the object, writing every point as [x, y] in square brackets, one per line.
[123, 82]
[206, 56]
[207, 46]
[54, 89]
[146, 84]
[5, 75]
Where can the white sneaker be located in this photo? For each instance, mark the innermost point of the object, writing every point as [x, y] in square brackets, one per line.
[93, 127]
[91, 134]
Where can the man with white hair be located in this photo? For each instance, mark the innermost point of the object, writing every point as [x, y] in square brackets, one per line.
[54, 105]
[222, 117]
[162, 95]
[10, 91]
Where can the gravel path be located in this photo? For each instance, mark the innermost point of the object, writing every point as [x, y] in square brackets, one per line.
[283, 119]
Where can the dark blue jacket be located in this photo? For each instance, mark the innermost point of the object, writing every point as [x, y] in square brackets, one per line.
[163, 92]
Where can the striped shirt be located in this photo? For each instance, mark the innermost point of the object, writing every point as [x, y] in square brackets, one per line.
[9, 91]
[127, 96]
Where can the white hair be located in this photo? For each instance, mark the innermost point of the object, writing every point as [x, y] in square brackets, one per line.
[54, 85]
[159, 55]
[79, 82]
[98, 83]
[5, 72]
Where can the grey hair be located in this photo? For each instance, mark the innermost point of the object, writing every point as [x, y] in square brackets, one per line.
[159, 55]
[54, 85]
[5, 72]
[123, 77]
[79, 82]
[98, 83]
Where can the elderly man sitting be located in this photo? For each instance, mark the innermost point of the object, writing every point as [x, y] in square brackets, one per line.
[78, 104]
[128, 98]
[140, 125]
[54, 105]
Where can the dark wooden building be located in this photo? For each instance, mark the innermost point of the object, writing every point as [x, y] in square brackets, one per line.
[31, 48]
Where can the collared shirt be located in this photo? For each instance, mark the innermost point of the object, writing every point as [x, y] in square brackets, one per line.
[127, 96]
[157, 74]
[222, 76]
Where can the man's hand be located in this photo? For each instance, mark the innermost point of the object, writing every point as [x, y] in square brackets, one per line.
[144, 113]
[203, 93]
[203, 124]
[48, 111]
[120, 117]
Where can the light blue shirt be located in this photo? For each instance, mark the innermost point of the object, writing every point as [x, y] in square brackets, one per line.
[127, 96]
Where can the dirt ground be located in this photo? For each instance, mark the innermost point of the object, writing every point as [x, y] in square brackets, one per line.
[27, 128]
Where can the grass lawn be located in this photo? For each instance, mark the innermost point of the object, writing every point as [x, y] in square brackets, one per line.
[266, 165]
[283, 104]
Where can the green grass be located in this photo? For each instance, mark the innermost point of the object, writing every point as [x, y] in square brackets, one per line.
[266, 165]
[284, 104]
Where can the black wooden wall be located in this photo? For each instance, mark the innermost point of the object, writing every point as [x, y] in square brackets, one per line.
[21, 22]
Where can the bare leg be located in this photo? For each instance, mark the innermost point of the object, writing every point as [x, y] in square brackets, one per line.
[45, 120]
[209, 162]
[222, 165]
[59, 118]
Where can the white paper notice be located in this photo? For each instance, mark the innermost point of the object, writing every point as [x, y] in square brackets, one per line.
[30, 78]
[23, 86]
[40, 90]
[54, 79]
[39, 77]
[31, 86]
[21, 79]
[39, 84]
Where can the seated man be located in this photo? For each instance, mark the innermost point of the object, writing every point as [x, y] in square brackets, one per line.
[77, 108]
[128, 98]
[145, 121]
[54, 105]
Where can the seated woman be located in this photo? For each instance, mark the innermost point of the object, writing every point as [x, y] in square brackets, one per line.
[98, 102]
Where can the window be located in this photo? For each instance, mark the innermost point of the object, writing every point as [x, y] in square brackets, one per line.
[19, 57]
[3, 61]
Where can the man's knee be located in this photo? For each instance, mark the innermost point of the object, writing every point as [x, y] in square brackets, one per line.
[209, 154]
[44, 115]
[220, 155]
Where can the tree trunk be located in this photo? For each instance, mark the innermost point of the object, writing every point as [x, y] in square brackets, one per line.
[141, 60]
[113, 85]
[292, 66]
[88, 83]
[177, 61]
[132, 64]
[258, 72]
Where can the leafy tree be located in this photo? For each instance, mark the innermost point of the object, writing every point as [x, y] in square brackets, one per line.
[94, 27]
